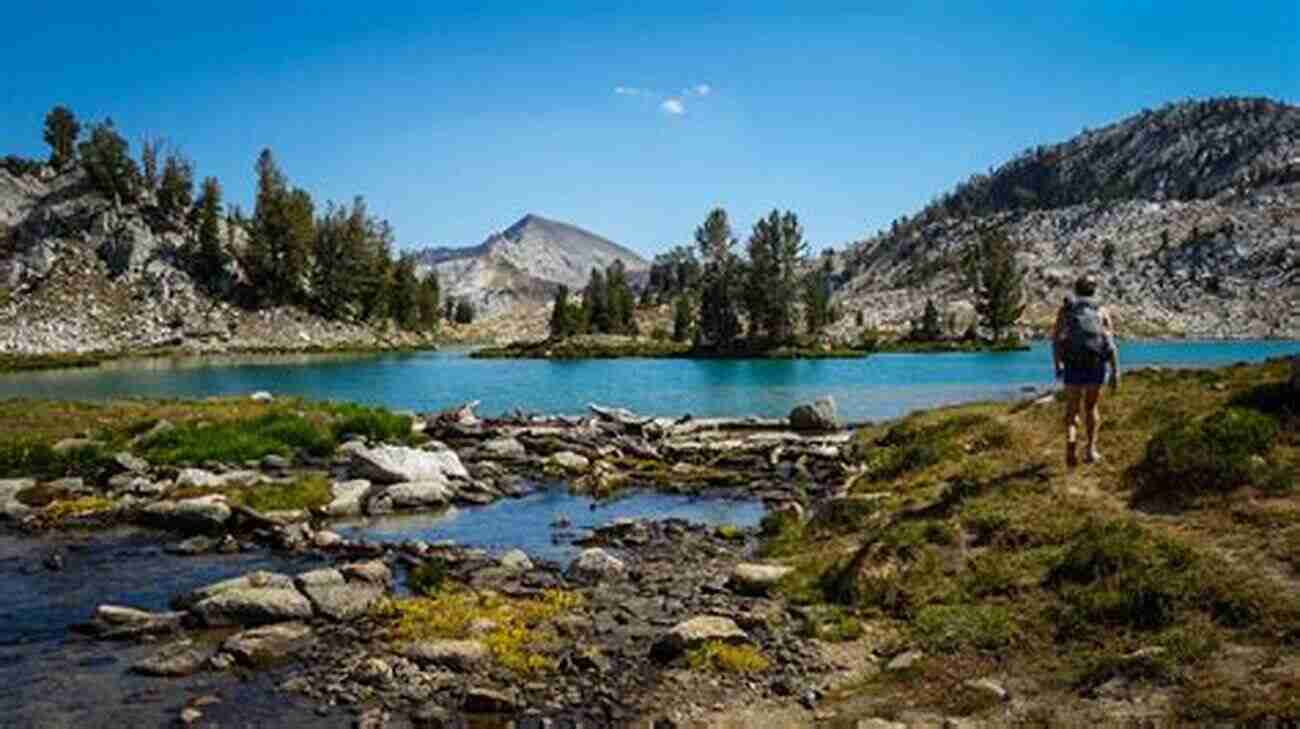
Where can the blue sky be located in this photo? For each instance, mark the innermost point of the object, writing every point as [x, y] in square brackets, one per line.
[456, 119]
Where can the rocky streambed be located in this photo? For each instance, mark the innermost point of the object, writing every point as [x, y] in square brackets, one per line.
[651, 621]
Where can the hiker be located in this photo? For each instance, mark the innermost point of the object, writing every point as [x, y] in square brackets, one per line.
[1083, 348]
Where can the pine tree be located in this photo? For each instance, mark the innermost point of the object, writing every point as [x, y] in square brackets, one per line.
[817, 296]
[427, 302]
[1000, 291]
[106, 158]
[176, 186]
[404, 295]
[595, 304]
[464, 312]
[931, 327]
[563, 318]
[283, 229]
[683, 319]
[619, 298]
[776, 249]
[149, 150]
[719, 323]
[61, 132]
[210, 262]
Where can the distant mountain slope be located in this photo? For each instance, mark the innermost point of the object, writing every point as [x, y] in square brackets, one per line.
[1190, 215]
[525, 263]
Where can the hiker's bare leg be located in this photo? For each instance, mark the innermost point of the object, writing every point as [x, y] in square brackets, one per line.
[1091, 419]
[1073, 398]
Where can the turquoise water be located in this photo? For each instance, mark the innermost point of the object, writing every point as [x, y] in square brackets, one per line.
[875, 387]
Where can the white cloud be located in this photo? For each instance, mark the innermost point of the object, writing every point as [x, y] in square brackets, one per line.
[630, 91]
[701, 89]
[673, 106]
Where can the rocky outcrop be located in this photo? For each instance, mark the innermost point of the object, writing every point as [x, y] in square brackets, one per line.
[1186, 215]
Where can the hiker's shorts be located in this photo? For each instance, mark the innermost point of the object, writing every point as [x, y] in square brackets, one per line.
[1085, 374]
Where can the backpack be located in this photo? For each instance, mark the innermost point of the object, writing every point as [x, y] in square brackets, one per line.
[1086, 342]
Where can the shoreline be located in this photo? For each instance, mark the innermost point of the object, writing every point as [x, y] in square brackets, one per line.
[15, 363]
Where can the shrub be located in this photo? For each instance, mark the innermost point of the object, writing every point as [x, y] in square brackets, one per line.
[833, 624]
[1218, 453]
[20, 166]
[660, 334]
[237, 441]
[39, 460]
[305, 493]
[427, 577]
[373, 423]
[953, 628]
[720, 656]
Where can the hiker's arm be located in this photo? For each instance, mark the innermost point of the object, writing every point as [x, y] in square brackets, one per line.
[1113, 358]
[1056, 342]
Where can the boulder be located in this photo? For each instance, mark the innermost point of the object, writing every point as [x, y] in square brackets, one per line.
[458, 655]
[399, 464]
[592, 565]
[174, 660]
[326, 539]
[516, 560]
[427, 494]
[130, 463]
[348, 498]
[197, 478]
[200, 514]
[261, 645]
[374, 572]
[253, 606]
[252, 579]
[480, 700]
[569, 461]
[695, 632]
[756, 579]
[344, 601]
[261, 396]
[505, 448]
[320, 577]
[820, 416]
[117, 621]
[10, 506]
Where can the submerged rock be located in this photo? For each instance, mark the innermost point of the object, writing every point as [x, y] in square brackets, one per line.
[399, 464]
[174, 660]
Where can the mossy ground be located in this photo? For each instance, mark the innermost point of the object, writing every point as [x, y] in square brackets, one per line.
[1169, 569]
[518, 632]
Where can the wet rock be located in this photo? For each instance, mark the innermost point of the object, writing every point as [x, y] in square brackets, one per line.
[117, 621]
[199, 514]
[516, 560]
[756, 579]
[374, 572]
[174, 660]
[505, 448]
[820, 416]
[698, 630]
[457, 655]
[592, 565]
[399, 464]
[480, 700]
[569, 461]
[192, 546]
[250, 580]
[411, 495]
[348, 498]
[262, 645]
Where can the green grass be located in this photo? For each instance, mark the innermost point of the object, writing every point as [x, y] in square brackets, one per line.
[951, 628]
[305, 493]
[237, 441]
[1221, 452]
[375, 424]
[40, 460]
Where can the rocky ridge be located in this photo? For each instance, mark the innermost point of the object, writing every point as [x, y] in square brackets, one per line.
[82, 273]
[1189, 216]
